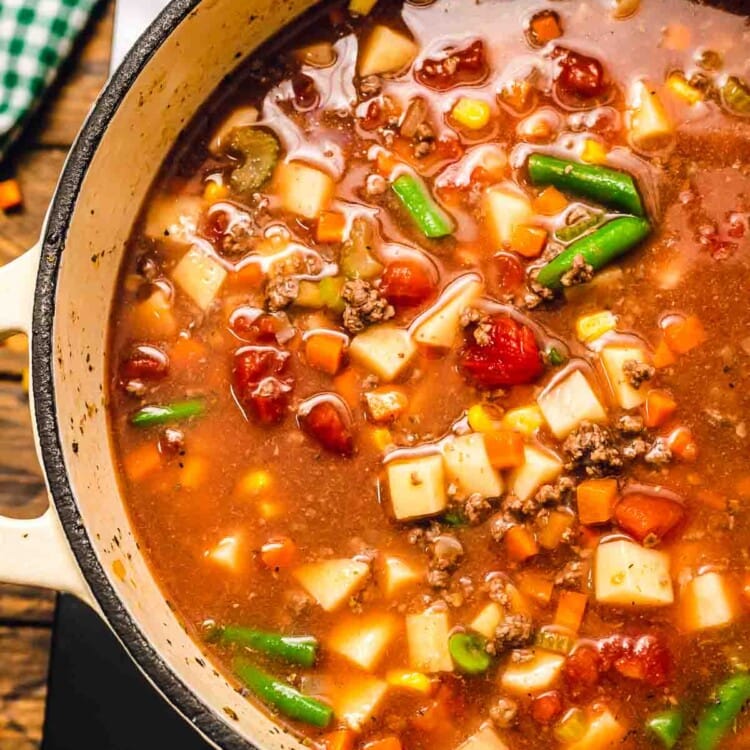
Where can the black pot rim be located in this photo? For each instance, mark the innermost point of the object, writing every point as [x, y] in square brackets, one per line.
[171, 686]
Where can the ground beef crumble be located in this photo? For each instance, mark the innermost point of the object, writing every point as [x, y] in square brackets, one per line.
[476, 509]
[592, 449]
[280, 292]
[364, 306]
[515, 631]
[637, 372]
[504, 713]
[580, 272]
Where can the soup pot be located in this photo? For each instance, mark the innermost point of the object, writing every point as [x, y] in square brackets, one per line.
[59, 293]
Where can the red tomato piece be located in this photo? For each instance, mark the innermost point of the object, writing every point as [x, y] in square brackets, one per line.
[545, 708]
[259, 382]
[506, 274]
[651, 516]
[509, 356]
[329, 424]
[582, 670]
[645, 658]
[407, 283]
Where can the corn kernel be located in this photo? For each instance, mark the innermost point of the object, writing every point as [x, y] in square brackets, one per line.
[677, 84]
[471, 113]
[590, 327]
[254, 482]
[214, 191]
[481, 420]
[593, 152]
[525, 419]
[382, 438]
[416, 681]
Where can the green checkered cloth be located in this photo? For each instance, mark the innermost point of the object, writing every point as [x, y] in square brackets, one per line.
[35, 38]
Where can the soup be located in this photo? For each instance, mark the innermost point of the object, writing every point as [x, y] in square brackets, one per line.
[429, 360]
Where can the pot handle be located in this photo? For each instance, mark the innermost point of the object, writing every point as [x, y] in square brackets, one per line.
[33, 552]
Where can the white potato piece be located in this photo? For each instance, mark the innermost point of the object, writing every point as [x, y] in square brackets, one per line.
[439, 325]
[385, 51]
[628, 575]
[468, 466]
[153, 318]
[364, 640]
[174, 218]
[568, 403]
[506, 208]
[486, 622]
[427, 634]
[200, 276]
[357, 700]
[485, 739]
[651, 128]
[396, 574]
[383, 349]
[225, 553]
[539, 467]
[417, 487]
[613, 359]
[604, 732]
[708, 601]
[241, 117]
[532, 676]
[332, 582]
[303, 190]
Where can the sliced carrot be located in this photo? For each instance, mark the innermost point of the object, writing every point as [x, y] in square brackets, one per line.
[349, 386]
[536, 587]
[141, 461]
[550, 202]
[596, 499]
[663, 356]
[659, 407]
[186, 353]
[545, 27]
[571, 607]
[645, 516]
[682, 444]
[341, 739]
[325, 352]
[520, 543]
[504, 448]
[685, 335]
[331, 227]
[278, 552]
[551, 534]
[384, 743]
[249, 276]
[10, 195]
[528, 241]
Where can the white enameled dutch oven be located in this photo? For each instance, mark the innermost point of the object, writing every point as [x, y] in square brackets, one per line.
[60, 294]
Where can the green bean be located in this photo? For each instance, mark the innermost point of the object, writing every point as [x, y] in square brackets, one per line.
[282, 696]
[468, 652]
[149, 416]
[597, 249]
[667, 726]
[719, 716]
[427, 215]
[574, 231]
[609, 187]
[300, 650]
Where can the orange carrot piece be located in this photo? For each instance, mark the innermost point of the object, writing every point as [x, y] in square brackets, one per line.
[10, 195]
[349, 386]
[659, 407]
[528, 241]
[663, 356]
[325, 352]
[141, 461]
[685, 335]
[341, 739]
[186, 353]
[331, 227]
[520, 544]
[550, 202]
[249, 276]
[571, 606]
[504, 448]
[536, 587]
[643, 516]
[682, 444]
[384, 743]
[545, 27]
[596, 499]
[278, 552]
[386, 162]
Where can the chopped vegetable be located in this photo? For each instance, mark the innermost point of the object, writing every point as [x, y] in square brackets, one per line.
[325, 351]
[385, 51]
[735, 94]
[432, 221]
[544, 27]
[525, 420]
[596, 500]
[10, 195]
[708, 601]
[482, 418]
[331, 227]
[303, 190]
[557, 642]
[616, 361]
[200, 276]
[397, 574]
[667, 726]
[597, 249]
[385, 404]
[685, 335]
[259, 151]
[720, 714]
[468, 653]
[408, 680]
[486, 622]
[593, 152]
[609, 187]
[569, 402]
[534, 675]
[332, 582]
[520, 544]
[427, 635]
[505, 448]
[149, 416]
[539, 467]
[439, 325]
[550, 202]
[468, 467]
[383, 349]
[651, 128]
[417, 487]
[471, 113]
[485, 739]
[658, 408]
[603, 731]
[278, 552]
[528, 241]
[578, 228]
[361, 7]
[571, 607]
[553, 528]
[300, 650]
[506, 208]
[357, 699]
[677, 84]
[408, 282]
[572, 727]
[357, 260]
[363, 640]
[592, 326]
[282, 696]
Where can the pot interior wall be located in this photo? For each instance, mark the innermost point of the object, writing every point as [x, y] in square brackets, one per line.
[208, 43]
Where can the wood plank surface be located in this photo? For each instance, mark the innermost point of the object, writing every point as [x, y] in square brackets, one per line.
[25, 613]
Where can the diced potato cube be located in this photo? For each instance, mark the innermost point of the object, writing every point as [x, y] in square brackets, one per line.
[385, 51]
[427, 634]
[539, 467]
[650, 126]
[153, 318]
[568, 403]
[626, 574]
[199, 276]
[417, 487]
[485, 739]
[225, 553]
[594, 325]
[486, 622]
[604, 731]
[332, 582]
[529, 677]
[357, 700]
[439, 325]
[303, 190]
[174, 218]
[240, 117]
[524, 419]
[708, 601]
[613, 360]
[384, 349]
[385, 404]
[363, 640]
[506, 208]
[395, 574]
[468, 466]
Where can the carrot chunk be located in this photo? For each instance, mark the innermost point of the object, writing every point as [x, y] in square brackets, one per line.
[685, 335]
[571, 607]
[659, 407]
[545, 27]
[596, 499]
[331, 227]
[141, 461]
[663, 356]
[648, 516]
[520, 544]
[528, 241]
[384, 743]
[278, 552]
[10, 195]
[341, 739]
[536, 587]
[504, 448]
[349, 386]
[325, 352]
[682, 444]
[550, 202]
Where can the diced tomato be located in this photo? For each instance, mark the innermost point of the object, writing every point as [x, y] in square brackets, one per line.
[407, 283]
[645, 658]
[580, 76]
[510, 355]
[329, 424]
[545, 708]
[144, 363]
[643, 516]
[582, 670]
[278, 552]
[260, 382]
[506, 274]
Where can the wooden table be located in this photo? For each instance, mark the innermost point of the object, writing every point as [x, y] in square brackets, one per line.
[26, 614]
